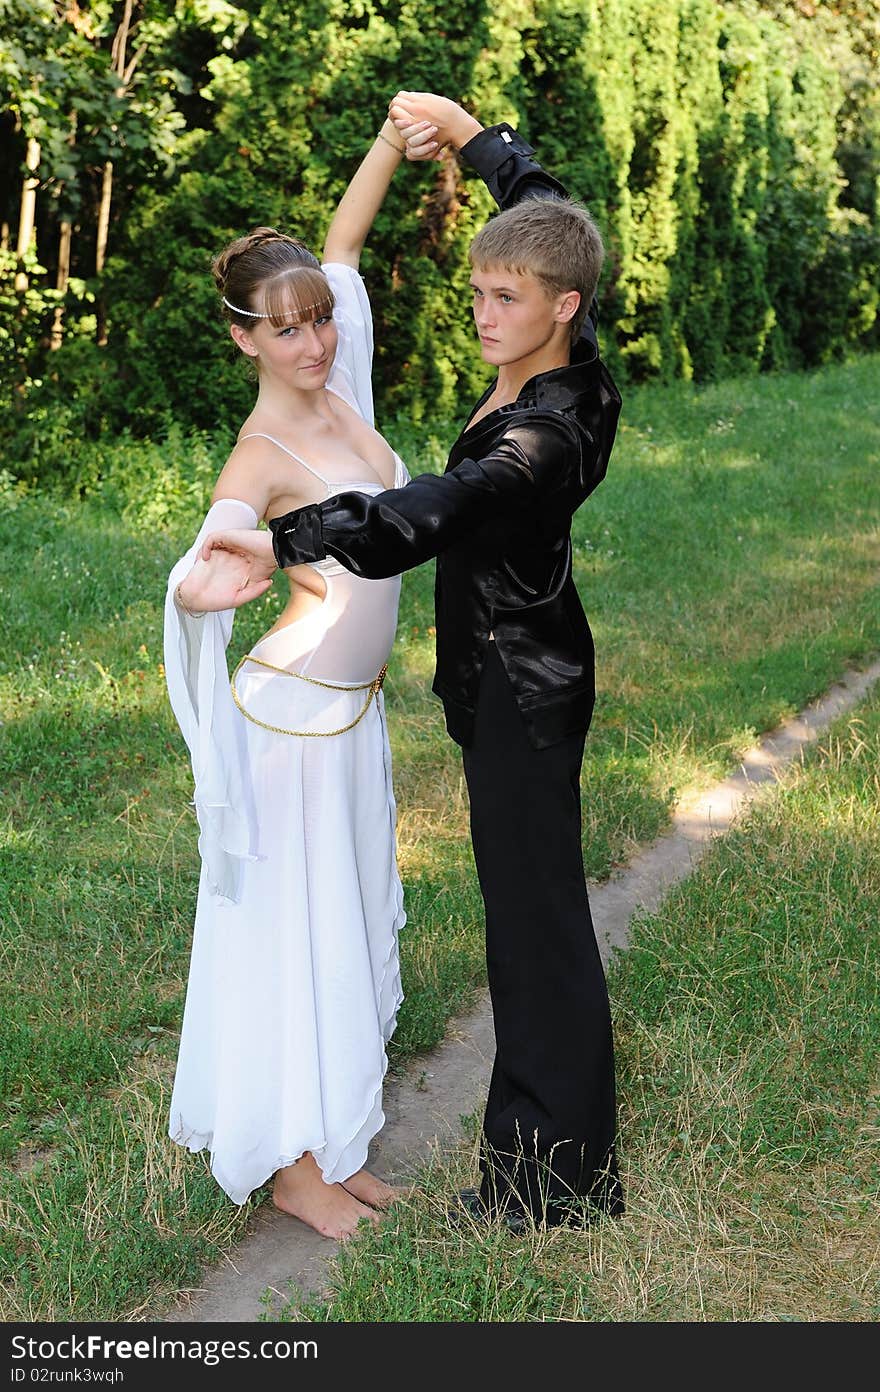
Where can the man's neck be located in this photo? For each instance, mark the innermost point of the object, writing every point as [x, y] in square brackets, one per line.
[512, 377]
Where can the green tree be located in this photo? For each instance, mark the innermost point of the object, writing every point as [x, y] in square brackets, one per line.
[728, 149]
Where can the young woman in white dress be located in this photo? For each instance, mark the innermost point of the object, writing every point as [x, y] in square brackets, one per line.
[294, 982]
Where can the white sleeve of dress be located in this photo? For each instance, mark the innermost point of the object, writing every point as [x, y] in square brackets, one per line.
[200, 695]
[350, 376]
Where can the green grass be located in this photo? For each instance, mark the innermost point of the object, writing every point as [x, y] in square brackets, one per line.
[747, 1015]
[729, 567]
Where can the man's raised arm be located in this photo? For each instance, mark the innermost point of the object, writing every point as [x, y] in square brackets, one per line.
[499, 154]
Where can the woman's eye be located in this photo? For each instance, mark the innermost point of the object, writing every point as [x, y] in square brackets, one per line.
[295, 328]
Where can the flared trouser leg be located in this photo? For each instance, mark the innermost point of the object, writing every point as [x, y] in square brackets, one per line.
[549, 1128]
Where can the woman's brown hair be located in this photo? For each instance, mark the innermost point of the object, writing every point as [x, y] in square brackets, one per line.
[268, 275]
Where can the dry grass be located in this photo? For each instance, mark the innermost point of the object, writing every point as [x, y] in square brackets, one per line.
[130, 1166]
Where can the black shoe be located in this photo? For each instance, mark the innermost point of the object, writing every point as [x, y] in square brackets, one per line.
[514, 1219]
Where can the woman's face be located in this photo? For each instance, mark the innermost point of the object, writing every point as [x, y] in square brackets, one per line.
[297, 355]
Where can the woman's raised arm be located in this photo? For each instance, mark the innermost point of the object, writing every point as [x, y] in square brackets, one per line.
[366, 192]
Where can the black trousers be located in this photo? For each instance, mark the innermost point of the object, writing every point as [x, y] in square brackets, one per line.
[549, 1128]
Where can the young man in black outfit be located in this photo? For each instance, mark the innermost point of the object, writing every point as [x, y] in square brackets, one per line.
[514, 662]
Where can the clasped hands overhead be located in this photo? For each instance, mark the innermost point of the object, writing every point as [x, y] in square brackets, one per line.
[428, 123]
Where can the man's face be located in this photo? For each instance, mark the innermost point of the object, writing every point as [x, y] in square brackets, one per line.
[514, 315]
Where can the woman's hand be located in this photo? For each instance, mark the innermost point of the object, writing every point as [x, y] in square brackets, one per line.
[233, 568]
[420, 138]
[454, 125]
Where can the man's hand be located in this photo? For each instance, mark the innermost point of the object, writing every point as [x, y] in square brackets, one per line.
[233, 568]
[454, 125]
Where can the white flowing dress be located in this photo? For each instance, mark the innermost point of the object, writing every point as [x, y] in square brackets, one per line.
[294, 982]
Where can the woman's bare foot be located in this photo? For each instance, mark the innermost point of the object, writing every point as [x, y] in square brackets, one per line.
[371, 1190]
[328, 1208]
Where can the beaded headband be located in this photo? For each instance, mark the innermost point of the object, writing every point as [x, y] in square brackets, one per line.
[253, 314]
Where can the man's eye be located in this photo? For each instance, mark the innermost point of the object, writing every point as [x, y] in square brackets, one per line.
[506, 299]
[478, 294]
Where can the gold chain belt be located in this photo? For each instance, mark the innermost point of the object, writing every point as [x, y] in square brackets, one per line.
[373, 687]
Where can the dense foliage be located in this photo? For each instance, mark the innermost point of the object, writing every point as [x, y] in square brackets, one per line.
[728, 150]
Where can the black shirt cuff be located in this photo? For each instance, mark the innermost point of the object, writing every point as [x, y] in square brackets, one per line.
[297, 536]
[488, 150]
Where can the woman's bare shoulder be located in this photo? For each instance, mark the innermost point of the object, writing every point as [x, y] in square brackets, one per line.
[266, 468]
[249, 473]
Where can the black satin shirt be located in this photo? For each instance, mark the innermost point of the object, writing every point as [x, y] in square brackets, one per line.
[498, 520]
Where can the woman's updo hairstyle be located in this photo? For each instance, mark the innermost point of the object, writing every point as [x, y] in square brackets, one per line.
[268, 275]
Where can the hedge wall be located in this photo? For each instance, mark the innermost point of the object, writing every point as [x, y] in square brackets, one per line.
[729, 152]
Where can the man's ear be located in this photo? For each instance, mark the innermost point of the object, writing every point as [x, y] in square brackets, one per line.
[567, 306]
[242, 339]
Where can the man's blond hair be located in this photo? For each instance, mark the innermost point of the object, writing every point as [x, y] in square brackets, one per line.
[553, 239]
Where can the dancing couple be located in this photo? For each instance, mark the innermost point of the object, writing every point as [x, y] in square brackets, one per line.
[294, 983]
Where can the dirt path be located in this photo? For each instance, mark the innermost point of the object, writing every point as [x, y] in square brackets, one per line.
[423, 1106]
